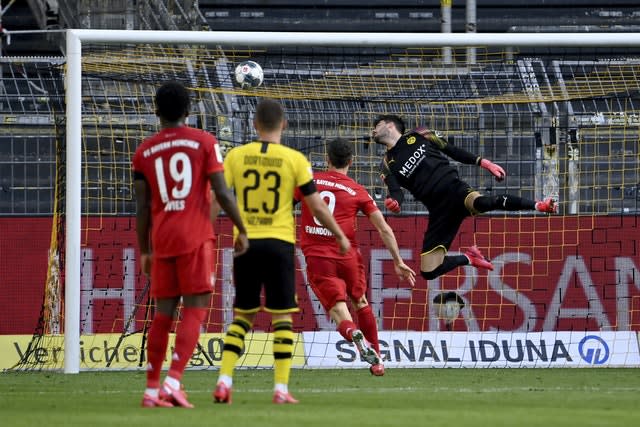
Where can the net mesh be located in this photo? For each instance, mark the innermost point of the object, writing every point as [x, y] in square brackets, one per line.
[562, 122]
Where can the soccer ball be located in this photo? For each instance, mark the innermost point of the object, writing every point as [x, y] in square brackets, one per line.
[448, 306]
[449, 311]
[249, 74]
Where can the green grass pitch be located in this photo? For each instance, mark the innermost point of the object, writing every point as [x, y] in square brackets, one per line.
[335, 398]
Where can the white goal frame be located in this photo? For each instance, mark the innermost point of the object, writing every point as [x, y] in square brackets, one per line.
[73, 92]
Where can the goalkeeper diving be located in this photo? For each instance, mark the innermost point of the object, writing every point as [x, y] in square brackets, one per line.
[418, 160]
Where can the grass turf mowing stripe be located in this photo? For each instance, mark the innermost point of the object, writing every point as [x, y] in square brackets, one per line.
[403, 397]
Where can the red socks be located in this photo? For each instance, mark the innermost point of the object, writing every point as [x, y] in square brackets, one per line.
[368, 325]
[187, 334]
[346, 328]
[157, 341]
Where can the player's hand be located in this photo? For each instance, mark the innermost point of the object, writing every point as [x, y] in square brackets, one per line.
[145, 264]
[496, 170]
[392, 205]
[405, 272]
[241, 244]
[344, 244]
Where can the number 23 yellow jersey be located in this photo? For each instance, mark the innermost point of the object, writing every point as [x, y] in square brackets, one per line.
[264, 176]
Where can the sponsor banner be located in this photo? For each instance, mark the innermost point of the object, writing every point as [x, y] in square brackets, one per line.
[570, 273]
[101, 351]
[481, 350]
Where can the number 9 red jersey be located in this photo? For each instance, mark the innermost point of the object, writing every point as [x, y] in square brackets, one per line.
[345, 198]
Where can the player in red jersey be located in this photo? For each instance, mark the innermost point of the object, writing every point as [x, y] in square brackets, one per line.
[335, 277]
[174, 173]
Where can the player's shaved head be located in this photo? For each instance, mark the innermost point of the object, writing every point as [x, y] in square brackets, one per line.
[172, 101]
[269, 115]
[340, 152]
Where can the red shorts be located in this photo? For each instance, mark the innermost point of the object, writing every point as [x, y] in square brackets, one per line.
[335, 279]
[189, 274]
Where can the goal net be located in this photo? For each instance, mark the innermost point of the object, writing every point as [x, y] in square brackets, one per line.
[562, 119]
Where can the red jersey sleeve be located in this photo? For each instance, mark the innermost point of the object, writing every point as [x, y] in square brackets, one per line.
[366, 203]
[135, 162]
[214, 155]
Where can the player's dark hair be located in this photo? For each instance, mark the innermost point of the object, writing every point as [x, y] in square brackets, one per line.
[396, 120]
[340, 152]
[172, 101]
[269, 115]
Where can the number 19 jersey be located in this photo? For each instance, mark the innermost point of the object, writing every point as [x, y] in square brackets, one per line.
[176, 163]
[265, 176]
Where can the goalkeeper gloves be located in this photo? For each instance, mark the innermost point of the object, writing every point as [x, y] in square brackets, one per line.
[495, 170]
[392, 205]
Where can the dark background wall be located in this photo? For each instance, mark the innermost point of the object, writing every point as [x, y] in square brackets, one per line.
[412, 16]
[357, 15]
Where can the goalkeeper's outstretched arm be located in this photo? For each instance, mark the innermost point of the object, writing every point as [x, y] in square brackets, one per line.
[460, 154]
[395, 195]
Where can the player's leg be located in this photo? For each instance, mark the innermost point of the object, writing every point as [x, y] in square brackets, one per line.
[165, 292]
[157, 342]
[280, 301]
[446, 213]
[350, 331]
[247, 269]
[187, 333]
[367, 322]
[430, 258]
[234, 342]
[345, 325]
[196, 278]
[328, 278]
[368, 325]
[471, 256]
[478, 203]
[433, 259]
[331, 291]
[283, 341]
[352, 270]
[444, 222]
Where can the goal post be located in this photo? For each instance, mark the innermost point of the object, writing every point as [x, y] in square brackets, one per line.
[74, 55]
